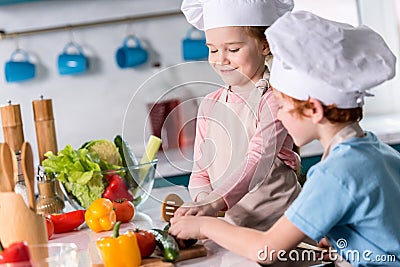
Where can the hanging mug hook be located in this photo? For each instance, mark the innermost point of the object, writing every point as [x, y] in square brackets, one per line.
[16, 42]
[68, 28]
[129, 30]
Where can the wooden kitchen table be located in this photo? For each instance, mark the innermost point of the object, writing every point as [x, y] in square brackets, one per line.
[149, 216]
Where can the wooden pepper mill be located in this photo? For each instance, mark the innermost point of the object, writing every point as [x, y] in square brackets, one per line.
[12, 126]
[14, 137]
[45, 130]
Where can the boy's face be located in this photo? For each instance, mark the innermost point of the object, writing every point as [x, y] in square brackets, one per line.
[236, 56]
[301, 128]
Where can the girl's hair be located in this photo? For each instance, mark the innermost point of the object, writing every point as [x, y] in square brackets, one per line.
[331, 112]
[256, 32]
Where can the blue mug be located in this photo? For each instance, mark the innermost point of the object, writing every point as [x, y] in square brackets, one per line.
[131, 56]
[194, 48]
[18, 71]
[72, 63]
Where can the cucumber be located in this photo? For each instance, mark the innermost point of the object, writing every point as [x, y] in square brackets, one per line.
[167, 244]
[182, 243]
[167, 226]
[128, 160]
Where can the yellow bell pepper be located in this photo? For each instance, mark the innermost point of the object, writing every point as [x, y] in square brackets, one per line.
[100, 216]
[119, 250]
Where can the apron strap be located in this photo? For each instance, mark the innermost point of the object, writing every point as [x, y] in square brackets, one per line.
[263, 84]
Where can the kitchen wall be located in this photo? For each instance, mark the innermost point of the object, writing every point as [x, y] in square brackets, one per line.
[92, 105]
[108, 100]
[383, 17]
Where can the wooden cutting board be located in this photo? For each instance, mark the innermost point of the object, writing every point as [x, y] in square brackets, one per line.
[195, 251]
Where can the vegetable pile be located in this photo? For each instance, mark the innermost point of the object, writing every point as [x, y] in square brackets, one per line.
[81, 170]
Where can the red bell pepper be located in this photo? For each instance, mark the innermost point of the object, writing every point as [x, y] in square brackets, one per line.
[66, 222]
[117, 189]
[16, 252]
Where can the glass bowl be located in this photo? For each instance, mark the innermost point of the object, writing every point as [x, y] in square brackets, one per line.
[139, 178]
[50, 255]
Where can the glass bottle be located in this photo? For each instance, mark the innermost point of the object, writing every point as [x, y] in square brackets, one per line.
[48, 201]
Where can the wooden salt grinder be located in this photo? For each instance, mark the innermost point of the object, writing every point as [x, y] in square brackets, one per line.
[45, 130]
[12, 126]
[13, 133]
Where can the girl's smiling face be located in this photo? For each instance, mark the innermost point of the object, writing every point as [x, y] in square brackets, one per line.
[235, 55]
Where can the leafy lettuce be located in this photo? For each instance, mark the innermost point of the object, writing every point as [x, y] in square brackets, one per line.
[79, 171]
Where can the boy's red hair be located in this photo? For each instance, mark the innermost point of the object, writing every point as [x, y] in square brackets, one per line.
[331, 112]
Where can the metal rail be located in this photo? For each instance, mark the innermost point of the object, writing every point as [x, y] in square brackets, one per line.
[4, 35]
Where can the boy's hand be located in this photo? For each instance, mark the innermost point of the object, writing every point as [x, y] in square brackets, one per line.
[324, 243]
[186, 227]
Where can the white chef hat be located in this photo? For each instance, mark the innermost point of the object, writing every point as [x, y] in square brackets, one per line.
[333, 62]
[209, 14]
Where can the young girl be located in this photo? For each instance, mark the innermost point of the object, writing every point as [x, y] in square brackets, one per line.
[244, 162]
[352, 195]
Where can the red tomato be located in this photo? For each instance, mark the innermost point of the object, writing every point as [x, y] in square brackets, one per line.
[124, 210]
[146, 242]
[49, 227]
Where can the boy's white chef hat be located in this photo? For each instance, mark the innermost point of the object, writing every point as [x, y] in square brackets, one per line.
[333, 62]
[209, 14]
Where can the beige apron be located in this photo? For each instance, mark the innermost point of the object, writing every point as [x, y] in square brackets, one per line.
[350, 131]
[230, 127]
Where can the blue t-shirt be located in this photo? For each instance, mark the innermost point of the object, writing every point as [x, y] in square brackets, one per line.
[352, 197]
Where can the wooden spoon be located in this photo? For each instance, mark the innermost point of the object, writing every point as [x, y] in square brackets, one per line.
[169, 205]
[7, 158]
[29, 173]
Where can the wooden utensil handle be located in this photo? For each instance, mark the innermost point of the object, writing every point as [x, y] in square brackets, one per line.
[304, 245]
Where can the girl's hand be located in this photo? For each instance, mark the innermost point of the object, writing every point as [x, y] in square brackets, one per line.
[187, 227]
[209, 206]
[195, 209]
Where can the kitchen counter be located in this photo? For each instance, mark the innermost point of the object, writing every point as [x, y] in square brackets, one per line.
[149, 216]
[386, 127]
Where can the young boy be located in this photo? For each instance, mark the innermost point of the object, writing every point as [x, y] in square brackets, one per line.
[351, 197]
